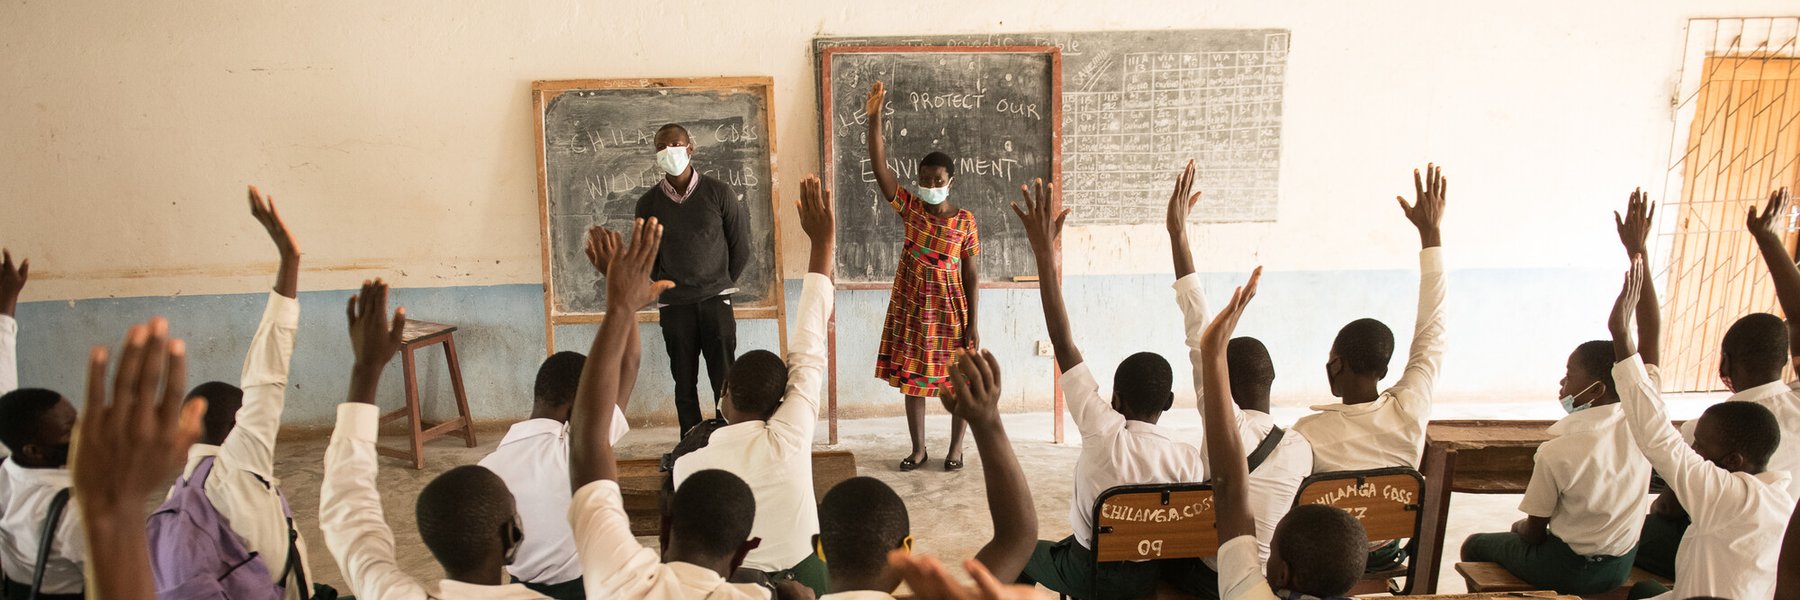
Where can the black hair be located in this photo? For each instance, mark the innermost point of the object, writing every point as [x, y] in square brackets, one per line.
[557, 379]
[1144, 384]
[1325, 548]
[222, 403]
[860, 521]
[939, 159]
[1252, 372]
[462, 515]
[1365, 346]
[1757, 343]
[712, 513]
[674, 127]
[22, 416]
[1750, 429]
[756, 382]
[1596, 358]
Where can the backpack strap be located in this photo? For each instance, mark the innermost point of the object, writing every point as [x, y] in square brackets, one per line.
[1267, 447]
[293, 567]
[51, 521]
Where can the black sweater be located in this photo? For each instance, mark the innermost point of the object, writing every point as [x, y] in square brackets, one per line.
[706, 240]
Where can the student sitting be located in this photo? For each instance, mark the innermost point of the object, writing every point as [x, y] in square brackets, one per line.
[773, 409]
[1737, 508]
[1374, 429]
[861, 520]
[1120, 442]
[1585, 503]
[466, 516]
[36, 426]
[1281, 460]
[1317, 551]
[1751, 356]
[236, 457]
[12, 281]
[533, 458]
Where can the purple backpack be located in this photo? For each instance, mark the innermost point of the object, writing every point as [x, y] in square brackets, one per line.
[195, 555]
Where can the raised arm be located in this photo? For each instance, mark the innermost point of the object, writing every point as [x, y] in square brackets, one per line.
[628, 289]
[1188, 294]
[1043, 215]
[1181, 204]
[876, 107]
[1634, 234]
[974, 395]
[1767, 228]
[350, 514]
[12, 281]
[133, 439]
[1426, 356]
[251, 444]
[1230, 470]
[602, 245]
[798, 415]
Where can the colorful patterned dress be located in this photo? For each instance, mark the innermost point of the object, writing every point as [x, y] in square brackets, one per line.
[928, 311]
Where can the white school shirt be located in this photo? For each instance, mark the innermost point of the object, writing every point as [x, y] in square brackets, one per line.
[357, 533]
[1738, 519]
[242, 486]
[25, 496]
[1116, 451]
[618, 568]
[1783, 399]
[1275, 483]
[1389, 432]
[1241, 572]
[775, 456]
[533, 460]
[1589, 481]
[9, 360]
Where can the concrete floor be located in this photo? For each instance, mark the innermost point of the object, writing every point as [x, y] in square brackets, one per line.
[949, 514]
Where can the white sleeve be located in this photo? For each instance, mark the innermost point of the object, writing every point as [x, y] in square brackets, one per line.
[1544, 492]
[1194, 317]
[251, 445]
[613, 564]
[1241, 571]
[1693, 479]
[1426, 356]
[1092, 415]
[793, 423]
[350, 513]
[9, 355]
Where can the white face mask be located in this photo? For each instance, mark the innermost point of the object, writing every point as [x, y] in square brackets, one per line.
[934, 195]
[1568, 402]
[672, 160]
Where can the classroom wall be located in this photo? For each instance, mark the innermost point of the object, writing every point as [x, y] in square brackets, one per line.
[397, 138]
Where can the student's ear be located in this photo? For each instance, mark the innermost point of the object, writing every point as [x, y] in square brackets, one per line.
[1732, 461]
[1170, 402]
[737, 560]
[1278, 573]
[906, 543]
[514, 536]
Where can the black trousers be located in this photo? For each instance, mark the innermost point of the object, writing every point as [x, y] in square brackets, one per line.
[691, 332]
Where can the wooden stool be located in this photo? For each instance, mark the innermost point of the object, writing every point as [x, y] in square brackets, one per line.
[420, 334]
[1485, 577]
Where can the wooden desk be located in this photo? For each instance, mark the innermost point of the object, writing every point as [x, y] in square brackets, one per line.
[640, 482]
[1471, 457]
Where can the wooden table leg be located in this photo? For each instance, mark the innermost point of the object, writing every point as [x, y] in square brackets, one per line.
[1439, 471]
[462, 397]
[831, 357]
[412, 408]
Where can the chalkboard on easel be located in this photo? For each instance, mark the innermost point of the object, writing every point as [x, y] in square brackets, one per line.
[596, 157]
[997, 111]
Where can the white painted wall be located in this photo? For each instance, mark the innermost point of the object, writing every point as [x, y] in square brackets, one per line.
[397, 134]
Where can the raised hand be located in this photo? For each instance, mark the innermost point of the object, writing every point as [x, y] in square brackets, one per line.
[877, 101]
[1218, 332]
[12, 281]
[1624, 310]
[820, 224]
[1770, 222]
[1042, 214]
[602, 245]
[287, 280]
[1181, 203]
[1634, 225]
[1427, 210]
[373, 338]
[974, 391]
[628, 285]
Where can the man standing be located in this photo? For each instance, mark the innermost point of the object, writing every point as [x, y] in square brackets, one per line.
[706, 243]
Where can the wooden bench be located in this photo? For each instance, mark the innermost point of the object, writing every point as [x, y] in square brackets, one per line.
[1487, 577]
[641, 481]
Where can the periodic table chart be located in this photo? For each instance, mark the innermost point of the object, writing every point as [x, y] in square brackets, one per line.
[1138, 104]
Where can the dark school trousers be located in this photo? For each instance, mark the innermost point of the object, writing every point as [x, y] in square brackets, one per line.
[1067, 567]
[705, 329]
[1658, 542]
[1551, 564]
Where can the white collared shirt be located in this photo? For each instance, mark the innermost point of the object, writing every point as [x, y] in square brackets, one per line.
[355, 530]
[775, 456]
[619, 568]
[1241, 572]
[242, 485]
[25, 496]
[1589, 481]
[1116, 451]
[1274, 483]
[1738, 519]
[1389, 432]
[1783, 399]
[9, 360]
[533, 460]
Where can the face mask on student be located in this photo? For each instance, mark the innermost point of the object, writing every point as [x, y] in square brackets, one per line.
[672, 160]
[1568, 402]
[934, 196]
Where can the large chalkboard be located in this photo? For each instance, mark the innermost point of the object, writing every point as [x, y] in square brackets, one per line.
[1139, 104]
[596, 150]
[995, 110]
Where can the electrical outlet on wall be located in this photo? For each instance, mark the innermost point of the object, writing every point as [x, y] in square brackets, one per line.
[1045, 349]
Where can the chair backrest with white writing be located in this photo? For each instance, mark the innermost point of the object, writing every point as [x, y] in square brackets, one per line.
[1388, 502]
[1154, 522]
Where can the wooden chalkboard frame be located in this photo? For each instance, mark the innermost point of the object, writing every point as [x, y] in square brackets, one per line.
[826, 146]
[542, 91]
